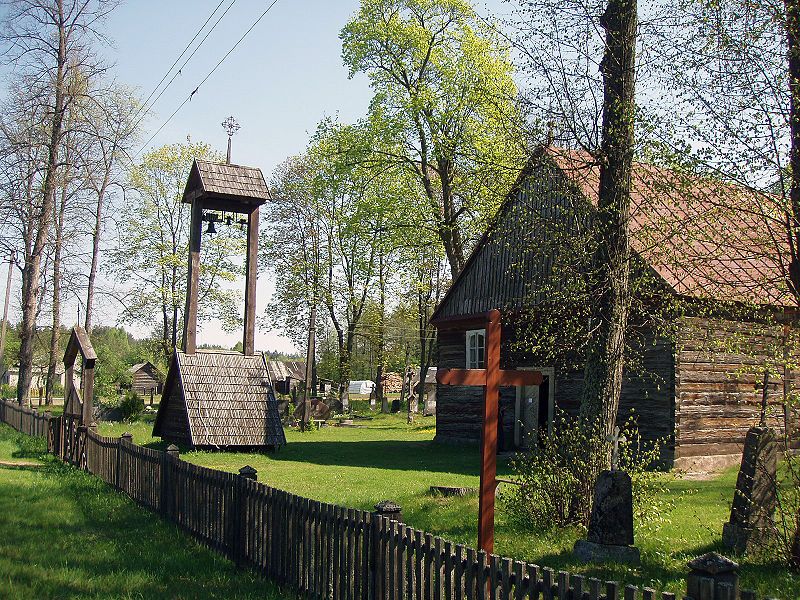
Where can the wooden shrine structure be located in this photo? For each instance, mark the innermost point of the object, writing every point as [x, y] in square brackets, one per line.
[78, 403]
[491, 378]
[220, 399]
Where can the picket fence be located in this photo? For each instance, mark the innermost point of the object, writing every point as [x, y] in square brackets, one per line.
[318, 550]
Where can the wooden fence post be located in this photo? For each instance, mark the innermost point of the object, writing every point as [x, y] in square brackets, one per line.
[166, 493]
[240, 520]
[375, 562]
[125, 437]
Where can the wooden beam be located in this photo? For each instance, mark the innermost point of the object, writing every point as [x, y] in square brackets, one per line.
[193, 279]
[251, 274]
[478, 377]
[461, 376]
[488, 481]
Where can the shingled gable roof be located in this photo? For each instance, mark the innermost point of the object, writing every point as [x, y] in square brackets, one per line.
[221, 179]
[228, 399]
[706, 239]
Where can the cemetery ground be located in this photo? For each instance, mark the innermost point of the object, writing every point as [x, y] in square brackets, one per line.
[384, 458]
[66, 534]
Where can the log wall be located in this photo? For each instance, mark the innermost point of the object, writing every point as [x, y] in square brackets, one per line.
[718, 377]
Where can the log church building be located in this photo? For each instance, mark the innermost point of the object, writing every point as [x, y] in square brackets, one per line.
[695, 380]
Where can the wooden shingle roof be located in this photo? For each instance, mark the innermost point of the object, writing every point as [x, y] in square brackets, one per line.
[705, 239]
[220, 179]
[228, 399]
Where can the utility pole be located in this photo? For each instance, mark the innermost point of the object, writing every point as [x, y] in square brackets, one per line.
[11, 262]
[231, 126]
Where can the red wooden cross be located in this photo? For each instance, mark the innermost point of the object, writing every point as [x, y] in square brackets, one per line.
[492, 377]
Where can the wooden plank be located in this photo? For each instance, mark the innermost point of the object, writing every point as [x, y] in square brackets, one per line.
[471, 573]
[458, 575]
[480, 576]
[392, 570]
[547, 583]
[438, 583]
[448, 566]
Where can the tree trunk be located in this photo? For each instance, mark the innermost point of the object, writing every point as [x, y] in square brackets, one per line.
[792, 9]
[98, 223]
[55, 331]
[611, 262]
[32, 271]
[380, 393]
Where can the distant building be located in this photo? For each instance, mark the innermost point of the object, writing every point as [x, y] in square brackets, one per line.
[286, 374]
[363, 387]
[39, 378]
[146, 378]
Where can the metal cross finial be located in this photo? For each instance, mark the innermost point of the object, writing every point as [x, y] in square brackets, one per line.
[231, 126]
[616, 438]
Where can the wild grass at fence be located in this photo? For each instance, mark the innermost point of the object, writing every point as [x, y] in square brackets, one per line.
[66, 534]
[356, 467]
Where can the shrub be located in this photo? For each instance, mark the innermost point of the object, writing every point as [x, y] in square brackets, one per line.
[131, 405]
[557, 483]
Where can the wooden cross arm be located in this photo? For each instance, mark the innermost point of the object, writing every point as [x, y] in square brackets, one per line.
[478, 377]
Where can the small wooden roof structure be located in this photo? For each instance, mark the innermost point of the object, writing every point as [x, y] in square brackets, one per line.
[75, 405]
[228, 183]
[214, 399]
[139, 366]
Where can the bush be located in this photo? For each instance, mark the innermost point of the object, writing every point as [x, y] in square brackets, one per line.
[557, 482]
[131, 405]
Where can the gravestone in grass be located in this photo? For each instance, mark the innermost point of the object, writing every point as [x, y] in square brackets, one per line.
[610, 535]
[755, 496]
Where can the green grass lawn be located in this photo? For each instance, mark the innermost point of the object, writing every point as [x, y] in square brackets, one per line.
[65, 534]
[357, 467]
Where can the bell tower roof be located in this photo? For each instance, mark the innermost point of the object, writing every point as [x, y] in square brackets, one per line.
[226, 187]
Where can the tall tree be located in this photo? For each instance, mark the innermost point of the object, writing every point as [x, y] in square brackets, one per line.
[112, 130]
[610, 292]
[445, 97]
[50, 41]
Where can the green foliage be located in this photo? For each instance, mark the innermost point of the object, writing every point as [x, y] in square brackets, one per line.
[444, 105]
[557, 482]
[131, 405]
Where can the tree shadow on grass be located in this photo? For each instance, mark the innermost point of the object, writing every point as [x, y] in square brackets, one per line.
[385, 454]
[76, 537]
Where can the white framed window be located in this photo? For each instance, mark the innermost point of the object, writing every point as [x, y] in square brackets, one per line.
[476, 348]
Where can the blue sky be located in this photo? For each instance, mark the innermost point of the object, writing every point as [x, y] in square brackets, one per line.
[279, 82]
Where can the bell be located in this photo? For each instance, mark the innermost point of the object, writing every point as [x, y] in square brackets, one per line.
[211, 230]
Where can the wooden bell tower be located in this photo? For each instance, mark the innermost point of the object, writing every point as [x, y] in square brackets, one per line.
[232, 189]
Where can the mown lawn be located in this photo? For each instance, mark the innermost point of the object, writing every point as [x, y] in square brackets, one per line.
[357, 467]
[65, 534]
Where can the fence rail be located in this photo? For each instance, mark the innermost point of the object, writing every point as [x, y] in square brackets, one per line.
[320, 550]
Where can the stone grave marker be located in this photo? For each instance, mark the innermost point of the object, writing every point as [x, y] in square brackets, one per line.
[755, 496]
[610, 535]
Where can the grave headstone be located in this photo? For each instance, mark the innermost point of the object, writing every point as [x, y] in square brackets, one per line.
[754, 499]
[610, 535]
[430, 404]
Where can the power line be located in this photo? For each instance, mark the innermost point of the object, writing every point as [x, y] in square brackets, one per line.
[205, 37]
[172, 66]
[210, 73]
